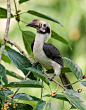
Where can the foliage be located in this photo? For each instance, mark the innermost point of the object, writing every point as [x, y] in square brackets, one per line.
[36, 73]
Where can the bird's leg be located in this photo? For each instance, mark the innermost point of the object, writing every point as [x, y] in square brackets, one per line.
[57, 69]
[51, 77]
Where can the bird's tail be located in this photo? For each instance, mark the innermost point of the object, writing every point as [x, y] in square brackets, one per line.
[65, 81]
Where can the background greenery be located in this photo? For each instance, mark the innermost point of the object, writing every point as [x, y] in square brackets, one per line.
[72, 15]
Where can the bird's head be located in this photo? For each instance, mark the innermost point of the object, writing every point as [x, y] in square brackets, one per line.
[41, 26]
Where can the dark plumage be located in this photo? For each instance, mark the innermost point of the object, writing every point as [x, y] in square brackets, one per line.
[47, 30]
[51, 52]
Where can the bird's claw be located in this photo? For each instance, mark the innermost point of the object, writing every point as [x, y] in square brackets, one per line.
[51, 77]
[35, 63]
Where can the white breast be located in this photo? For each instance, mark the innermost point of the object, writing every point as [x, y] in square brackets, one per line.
[40, 55]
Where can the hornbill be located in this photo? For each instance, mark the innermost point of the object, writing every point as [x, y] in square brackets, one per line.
[47, 54]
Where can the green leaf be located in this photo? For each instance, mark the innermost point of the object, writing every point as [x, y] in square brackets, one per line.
[57, 96]
[2, 71]
[42, 105]
[26, 83]
[28, 37]
[3, 74]
[6, 59]
[5, 93]
[74, 68]
[59, 38]
[21, 106]
[73, 107]
[63, 70]
[83, 83]
[23, 96]
[3, 13]
[10, 73]
[22, 1]
[76, 99]
[35, 13]
[4, 79]
[39, 74]
[7, 47]
[20, 61]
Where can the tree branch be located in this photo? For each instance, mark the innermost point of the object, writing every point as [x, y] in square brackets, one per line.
[55, 81]
[15, 7]
[21, 51]
[72, 83]
[7, 28]
[41, 91]
[19, 87]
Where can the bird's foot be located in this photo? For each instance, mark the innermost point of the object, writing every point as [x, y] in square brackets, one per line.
[51, 77]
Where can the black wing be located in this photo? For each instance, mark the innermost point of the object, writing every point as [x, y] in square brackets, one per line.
[53, 53]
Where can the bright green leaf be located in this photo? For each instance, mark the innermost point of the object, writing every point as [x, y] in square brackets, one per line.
[6, 59]
[26, 83]
[23, 96]
[39, 74]
[10, 73]
[35, 13]
[28, 37]
[76, 99]
[83, 83]
[74, 68]
[57, 96]
[3, 13]
[42, 105]
[20, 62]
[59, 38]
[22, 1]
[63, 70]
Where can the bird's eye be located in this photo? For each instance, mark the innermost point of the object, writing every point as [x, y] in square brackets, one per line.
[44, 25]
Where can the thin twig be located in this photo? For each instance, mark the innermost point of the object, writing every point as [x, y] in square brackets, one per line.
[55, 81]
[15, 6]
[57, 88]
[63, 104]
[21, 51]
[15, 92]
[71, 83]
[7, 28]
[41, 91]
[19, 87]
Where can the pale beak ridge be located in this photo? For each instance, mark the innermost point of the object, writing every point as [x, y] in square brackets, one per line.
[35, 24]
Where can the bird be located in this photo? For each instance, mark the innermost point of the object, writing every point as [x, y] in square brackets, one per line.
[47, 54]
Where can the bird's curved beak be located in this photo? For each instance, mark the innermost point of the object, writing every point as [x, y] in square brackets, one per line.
[35, 23]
